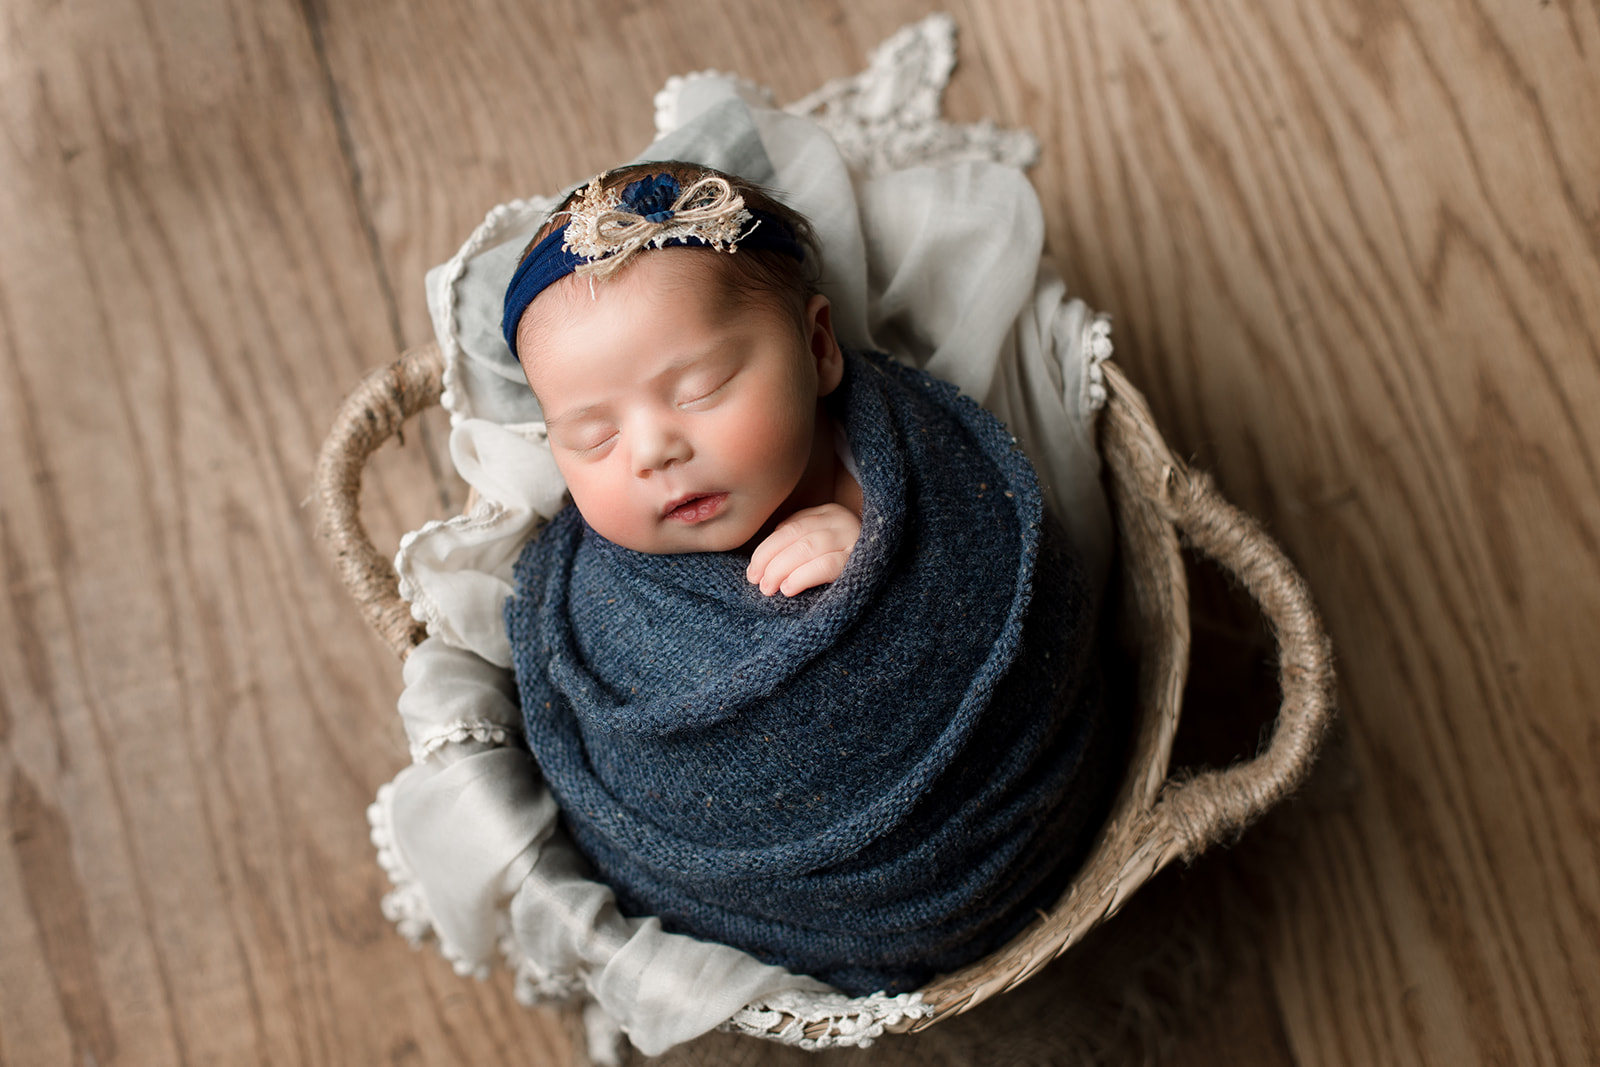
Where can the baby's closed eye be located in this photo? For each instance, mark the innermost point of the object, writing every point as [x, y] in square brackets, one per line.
[703, 391]
[584, 440]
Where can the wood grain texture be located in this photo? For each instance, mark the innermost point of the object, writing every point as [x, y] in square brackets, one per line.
[194, 724]
[1376, 234]
[1353, 252]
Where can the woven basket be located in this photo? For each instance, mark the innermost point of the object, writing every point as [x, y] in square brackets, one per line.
[1155, 819]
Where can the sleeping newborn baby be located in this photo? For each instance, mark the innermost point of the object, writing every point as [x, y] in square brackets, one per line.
[805, 664]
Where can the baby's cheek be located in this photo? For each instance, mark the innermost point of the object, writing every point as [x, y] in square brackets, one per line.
[599, 507]
[781, 440]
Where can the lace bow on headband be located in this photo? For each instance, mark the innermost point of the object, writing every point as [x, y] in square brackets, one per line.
[606, 227]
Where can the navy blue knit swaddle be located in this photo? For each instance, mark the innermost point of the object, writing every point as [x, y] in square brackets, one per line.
[873, 782]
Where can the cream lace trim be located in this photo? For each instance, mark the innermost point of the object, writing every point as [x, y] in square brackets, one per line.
[825, 1020]
[485, 513]
[502, 221]
[666, 101]
[459, 732]
[1097, 349]
[533, 984]
[406, 905]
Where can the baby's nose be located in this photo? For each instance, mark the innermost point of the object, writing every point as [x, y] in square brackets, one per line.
[659, 448]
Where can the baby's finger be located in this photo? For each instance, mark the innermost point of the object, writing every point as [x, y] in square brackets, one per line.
[820, 570]
[808, 547]
[796, 527]
[768, 550]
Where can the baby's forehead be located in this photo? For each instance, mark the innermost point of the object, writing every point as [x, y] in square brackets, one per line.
[663, 270]
[702, 278]
[646, 320]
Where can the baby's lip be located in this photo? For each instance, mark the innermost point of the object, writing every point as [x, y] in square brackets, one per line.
[693, 507]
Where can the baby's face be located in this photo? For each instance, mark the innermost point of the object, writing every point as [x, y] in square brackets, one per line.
[682, 421]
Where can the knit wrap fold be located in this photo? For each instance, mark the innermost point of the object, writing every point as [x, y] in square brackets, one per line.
[872, 782]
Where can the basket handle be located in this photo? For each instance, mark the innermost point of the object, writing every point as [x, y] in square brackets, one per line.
[1195, 812]
[369, 416]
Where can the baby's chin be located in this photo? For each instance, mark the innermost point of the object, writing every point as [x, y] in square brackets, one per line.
[708, 537]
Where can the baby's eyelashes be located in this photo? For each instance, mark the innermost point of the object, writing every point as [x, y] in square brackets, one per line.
[704, 394]
[586, 444]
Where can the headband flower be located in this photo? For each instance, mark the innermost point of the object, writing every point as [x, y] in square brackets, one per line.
[606, 227]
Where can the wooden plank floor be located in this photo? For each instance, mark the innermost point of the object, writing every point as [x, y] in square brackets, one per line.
[1353, 252]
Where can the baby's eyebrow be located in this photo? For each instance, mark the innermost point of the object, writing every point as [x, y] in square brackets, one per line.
[692, 360]
[563, 417]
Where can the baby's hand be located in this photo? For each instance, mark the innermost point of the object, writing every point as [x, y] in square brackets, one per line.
[809, 548]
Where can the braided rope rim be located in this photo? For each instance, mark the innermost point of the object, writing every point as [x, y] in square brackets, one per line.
[369, 416]
[1155, 819]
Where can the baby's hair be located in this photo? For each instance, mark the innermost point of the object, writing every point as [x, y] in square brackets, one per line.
[747, 272]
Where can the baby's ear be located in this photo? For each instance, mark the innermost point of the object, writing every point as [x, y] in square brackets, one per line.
[824, 347]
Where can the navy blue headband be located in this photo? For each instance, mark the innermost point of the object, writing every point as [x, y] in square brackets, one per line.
[551, 260]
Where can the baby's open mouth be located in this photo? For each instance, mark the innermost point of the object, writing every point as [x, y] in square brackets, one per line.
[696, 508]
